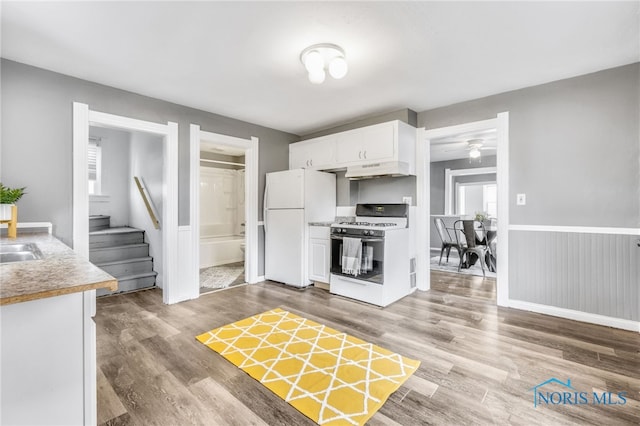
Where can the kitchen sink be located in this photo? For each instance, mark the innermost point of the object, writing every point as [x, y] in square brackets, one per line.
[19, 252]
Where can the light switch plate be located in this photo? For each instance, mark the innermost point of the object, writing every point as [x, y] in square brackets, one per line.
[521, 199]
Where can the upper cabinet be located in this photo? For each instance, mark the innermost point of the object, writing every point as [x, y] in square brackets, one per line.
[315, 154]
[391, 141]
[366, 144]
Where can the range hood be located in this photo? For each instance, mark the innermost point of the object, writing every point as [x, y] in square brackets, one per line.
[374, 170]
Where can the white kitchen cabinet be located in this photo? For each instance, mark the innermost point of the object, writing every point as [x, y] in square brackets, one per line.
[314, 154]
[384, 142]
[319, 253]
[48, 361]
[371, 143]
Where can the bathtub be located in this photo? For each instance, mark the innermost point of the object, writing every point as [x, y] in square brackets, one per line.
[216, 251]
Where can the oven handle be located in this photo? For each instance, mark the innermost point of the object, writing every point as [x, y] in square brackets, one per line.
[364, 240]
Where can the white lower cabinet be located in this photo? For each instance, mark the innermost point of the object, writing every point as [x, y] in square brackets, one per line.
[48, 361]
[319, 253]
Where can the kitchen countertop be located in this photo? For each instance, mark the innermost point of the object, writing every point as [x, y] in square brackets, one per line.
[60, 271]
[321, 223]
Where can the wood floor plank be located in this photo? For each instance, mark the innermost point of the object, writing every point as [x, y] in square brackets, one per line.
[478, 361]
[225, 408]
[109, 406]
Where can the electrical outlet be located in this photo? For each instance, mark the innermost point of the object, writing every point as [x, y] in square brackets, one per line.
[406, 200]
[521, 199]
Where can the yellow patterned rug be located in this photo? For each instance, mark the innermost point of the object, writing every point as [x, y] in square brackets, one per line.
[330, 377]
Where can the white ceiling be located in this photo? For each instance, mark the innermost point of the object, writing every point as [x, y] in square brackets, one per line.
[241, 59]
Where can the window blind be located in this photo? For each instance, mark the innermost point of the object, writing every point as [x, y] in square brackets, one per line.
[93, 161]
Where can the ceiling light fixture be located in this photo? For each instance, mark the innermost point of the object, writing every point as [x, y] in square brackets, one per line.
[474, 153]
[474, 145]
[317, 58]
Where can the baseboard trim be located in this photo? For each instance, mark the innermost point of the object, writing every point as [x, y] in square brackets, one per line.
[259, 279]
[576, 229]
[576, 315]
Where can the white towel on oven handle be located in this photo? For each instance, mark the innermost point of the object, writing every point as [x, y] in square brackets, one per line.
[351, 256]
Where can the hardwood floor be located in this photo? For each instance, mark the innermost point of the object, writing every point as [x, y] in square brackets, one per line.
[479, 361]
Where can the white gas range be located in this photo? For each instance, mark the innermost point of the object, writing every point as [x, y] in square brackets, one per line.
[371, 258]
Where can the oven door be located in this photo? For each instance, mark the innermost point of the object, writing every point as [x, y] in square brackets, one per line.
[372, 265]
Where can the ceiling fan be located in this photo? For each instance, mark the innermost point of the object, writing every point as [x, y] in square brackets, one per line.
[474, 146]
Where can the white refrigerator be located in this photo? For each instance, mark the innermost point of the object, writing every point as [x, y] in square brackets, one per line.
[292, 199]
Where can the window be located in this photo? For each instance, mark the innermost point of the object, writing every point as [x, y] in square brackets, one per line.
[477, 197]
[490, 200]
[95, 168]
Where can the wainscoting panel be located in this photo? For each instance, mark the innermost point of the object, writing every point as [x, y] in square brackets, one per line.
[589, 272]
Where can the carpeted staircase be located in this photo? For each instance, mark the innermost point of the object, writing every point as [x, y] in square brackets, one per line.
[121, 252]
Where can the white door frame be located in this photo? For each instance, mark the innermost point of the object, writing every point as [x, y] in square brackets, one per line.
[449, 195]
[251, 149]
[423, 193]
[83, 117]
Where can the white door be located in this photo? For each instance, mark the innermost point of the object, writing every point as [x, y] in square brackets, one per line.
[285, 190]
[284, 251]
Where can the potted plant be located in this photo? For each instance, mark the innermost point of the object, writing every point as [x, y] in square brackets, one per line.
[8, 197]
[481, 216]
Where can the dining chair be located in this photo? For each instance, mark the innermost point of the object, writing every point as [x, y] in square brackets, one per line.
[447, 242]
[471, 236]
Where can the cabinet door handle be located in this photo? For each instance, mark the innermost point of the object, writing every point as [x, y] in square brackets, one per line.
[365, 155]
[360, 155]
[307, 163]
[311, 162]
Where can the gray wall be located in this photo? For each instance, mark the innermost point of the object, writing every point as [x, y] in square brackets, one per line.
[437, 178]
[573, 147]
[37, 138]
[379, 190]
[574, 150]
[386, 190]
[115, 176]
[146, 163]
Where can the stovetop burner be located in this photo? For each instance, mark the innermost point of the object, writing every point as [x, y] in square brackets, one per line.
[381, 224]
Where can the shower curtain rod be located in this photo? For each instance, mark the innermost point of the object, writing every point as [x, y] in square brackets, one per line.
[222, 162]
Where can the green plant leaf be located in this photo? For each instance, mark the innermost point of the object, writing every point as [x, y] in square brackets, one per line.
[10, 195]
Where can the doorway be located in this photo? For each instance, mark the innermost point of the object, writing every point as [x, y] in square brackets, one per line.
[224, 205]
[222, 216]
[125, 227]
[482, 156]
[165, 134]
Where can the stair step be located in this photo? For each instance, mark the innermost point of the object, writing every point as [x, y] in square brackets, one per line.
[97, 222]
[121, 268]
[131, 282]
[114, 253]
[113, 237]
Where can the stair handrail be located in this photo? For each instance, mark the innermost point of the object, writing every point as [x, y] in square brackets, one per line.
[148, 202]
